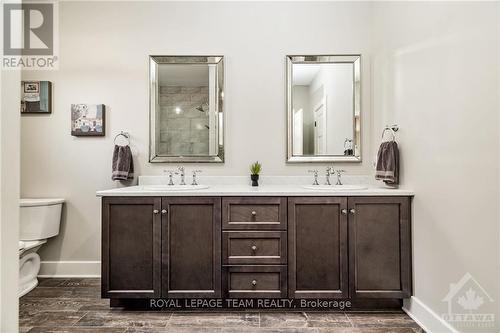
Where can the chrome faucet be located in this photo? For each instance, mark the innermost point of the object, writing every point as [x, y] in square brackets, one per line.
[329, 171]
[315, 172]
[170, 176]
[183, 175]
[339, 176]
[195, 182]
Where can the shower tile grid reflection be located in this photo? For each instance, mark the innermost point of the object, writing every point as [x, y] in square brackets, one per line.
[184, 128]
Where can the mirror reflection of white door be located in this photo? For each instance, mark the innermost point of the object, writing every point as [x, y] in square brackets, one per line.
[298, 132]
[320, 128]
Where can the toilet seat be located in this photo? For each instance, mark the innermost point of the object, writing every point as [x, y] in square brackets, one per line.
[28, 245]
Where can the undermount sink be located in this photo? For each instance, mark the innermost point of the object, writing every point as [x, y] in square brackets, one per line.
[335, 187]
[163, 188]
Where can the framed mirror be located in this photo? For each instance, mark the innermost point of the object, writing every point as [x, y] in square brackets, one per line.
[186, 109]
[323, 108]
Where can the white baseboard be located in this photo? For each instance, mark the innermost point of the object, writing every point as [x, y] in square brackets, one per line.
[70, 269]
[425, 317]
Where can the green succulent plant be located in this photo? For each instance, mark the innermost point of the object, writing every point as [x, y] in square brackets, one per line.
[255, 168]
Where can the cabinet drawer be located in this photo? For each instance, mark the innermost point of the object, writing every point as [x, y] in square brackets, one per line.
[254, 247]
[254, 213]
[255, 281]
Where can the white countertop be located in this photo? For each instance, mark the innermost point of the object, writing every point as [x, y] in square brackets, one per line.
[247, 190]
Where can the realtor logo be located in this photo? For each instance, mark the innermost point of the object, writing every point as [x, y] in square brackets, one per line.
[36, 22]
[465, 300]
[29, 35]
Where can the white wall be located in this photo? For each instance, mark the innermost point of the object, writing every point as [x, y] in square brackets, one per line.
[435, 73]
[104, 48]
[9, 198]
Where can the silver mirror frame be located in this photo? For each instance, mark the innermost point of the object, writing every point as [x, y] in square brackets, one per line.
[315, 59]
[154, 61]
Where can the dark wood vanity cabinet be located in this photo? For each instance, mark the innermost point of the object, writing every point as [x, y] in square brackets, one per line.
[161, 247]
[191, 247]
[379, 247]
[131, 247]
[317, 244]
[256, 247]
[357, 247]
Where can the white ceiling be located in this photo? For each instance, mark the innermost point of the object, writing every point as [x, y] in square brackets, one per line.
[303, 74]
[183, 75]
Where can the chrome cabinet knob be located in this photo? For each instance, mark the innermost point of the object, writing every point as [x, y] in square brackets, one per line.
[254, 248]
[344, 211]
[164, 211]
[254, 213]
[254, 282]
[156, 211]
[352, 211]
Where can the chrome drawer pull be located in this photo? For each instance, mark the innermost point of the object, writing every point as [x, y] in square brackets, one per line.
[156, 211]
[254, 213]
[254, 282]
[254, 248]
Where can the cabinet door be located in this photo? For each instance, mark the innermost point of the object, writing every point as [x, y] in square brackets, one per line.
[191, 247]
[317, 247]
[131, 247]
[379, 247]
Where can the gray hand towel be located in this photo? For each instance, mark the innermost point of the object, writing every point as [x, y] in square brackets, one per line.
[388, 163]
[123, 164]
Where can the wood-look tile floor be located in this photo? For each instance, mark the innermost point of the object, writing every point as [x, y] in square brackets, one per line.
[75, 306]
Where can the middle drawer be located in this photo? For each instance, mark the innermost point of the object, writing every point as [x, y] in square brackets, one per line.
[254, 247]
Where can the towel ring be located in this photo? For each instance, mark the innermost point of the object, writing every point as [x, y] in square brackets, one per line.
[393, 129]
[125, 135]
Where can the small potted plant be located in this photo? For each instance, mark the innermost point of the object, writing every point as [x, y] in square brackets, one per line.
[255, 169]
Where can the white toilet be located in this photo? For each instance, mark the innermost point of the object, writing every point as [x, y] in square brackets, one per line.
[39, 219]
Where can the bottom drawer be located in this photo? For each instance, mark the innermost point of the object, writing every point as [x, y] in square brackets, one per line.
[255, 281]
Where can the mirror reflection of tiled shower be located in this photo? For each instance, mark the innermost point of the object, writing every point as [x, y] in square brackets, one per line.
[184, 105]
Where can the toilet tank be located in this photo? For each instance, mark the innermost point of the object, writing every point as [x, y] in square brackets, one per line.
[39, 218]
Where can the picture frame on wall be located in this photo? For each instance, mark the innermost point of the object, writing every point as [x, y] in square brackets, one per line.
[88, 120]
[36, 97]
[31, 87]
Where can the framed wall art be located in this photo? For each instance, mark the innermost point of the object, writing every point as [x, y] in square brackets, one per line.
[36, 97]
[88, 120]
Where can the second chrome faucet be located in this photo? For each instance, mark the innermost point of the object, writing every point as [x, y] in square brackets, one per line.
[182, 172]
[329, 171]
